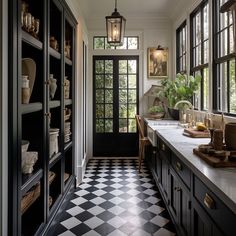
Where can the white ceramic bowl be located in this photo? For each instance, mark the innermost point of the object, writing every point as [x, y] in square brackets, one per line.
[24, 145]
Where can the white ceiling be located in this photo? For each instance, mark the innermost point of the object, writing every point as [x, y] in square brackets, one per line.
[132, 8]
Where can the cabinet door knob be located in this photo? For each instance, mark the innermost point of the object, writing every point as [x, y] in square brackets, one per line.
[209, 202]
[177, 189]
[178, 166]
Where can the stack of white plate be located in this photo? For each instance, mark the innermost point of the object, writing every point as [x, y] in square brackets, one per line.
[67, 132]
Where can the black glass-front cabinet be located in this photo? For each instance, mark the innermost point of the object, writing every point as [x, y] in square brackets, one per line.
[41, 112]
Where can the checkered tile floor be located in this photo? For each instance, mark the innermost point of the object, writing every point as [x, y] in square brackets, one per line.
[115, 200]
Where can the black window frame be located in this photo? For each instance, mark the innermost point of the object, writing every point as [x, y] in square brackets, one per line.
[202, 66]
[183, 55]
[219, 60]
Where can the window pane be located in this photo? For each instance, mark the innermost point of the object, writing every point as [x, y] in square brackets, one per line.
[132, 67]
[108, 110]
[123, 67]
[223, 43]
[232, 92]
[132, 126]
[205, 23]
[99, 67]
[197, 94]
[99, 126]
[123, 111]
[122, 81]
[223, 87]
[198, 28]
[206, 51]
[132, 81]
[107, 45]
[108, 96]
[99, 81]
[108, 66]
[123, 96]
[123, 126]
[231, 40]
[99, 43]
[99, 96]
[205, 88]
[124, 46]
[132, 43]
[108, 126]
[108, 81]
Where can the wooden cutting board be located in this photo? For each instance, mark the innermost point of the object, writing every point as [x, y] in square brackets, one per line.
[214, 161]
[190, 132]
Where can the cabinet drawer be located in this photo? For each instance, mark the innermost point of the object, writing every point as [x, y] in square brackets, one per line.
[163, 149]
[182, 170]
[219, 213]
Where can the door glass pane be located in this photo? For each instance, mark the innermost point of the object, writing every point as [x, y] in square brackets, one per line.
[99, 111]
[123, 67]
[99, 125]
[99, 96]
[108, 96]
[99, 67]
[108, 66]
[122, 81]
[123, 111]
[132, 81]
[132, 96]
[132, 66]
[99, 81]
[123, 96]
[123, 126]
[132, 111]
[108, 126]
[108, 81]
[132, 126]
[108, 110]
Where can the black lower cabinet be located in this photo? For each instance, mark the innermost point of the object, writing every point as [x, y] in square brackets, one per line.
[193, 207]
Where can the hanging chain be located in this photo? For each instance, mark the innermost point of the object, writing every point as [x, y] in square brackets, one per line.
[115, 5]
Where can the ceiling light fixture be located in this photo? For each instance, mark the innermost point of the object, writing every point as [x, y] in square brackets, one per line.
[115, 26]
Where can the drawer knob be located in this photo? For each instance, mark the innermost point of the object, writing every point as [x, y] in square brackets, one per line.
[163, 147]
[209, 202]
[177, 189]
[178, 166]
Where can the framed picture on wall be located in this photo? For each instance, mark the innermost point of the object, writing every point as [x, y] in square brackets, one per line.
[157, 62]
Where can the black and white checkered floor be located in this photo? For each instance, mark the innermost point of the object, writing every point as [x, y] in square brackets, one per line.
[115, 200]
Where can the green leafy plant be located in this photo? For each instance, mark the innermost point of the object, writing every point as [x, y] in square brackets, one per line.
[156, 109]
[181, 88]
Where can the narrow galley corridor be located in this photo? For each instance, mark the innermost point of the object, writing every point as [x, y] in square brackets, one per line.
[115, 200]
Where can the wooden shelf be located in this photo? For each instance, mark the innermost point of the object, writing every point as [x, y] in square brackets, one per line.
[54, 53]
[28, 181]
[54, 159]
[27, 38]
[68, 102]
[31, 107]
[68, 61]
[54, 104]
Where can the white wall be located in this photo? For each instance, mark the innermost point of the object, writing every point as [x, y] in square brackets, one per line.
[81, 35]
[152, 32]
[3, 116]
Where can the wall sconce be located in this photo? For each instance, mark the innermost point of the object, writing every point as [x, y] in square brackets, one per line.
[231, 6]
[115, 26]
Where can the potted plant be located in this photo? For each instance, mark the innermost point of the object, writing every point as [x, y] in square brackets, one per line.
[156, 111]
[181, 88]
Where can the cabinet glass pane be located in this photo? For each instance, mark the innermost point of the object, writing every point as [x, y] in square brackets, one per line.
[108, 110]
[123, 67]
[123, 126]
[99, 67]
[99, 126]
[132, 81]
[123, 96]
[108, 66]
[123, 111]
[132, 96]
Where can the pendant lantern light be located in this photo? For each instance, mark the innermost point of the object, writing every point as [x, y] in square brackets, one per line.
[115, 26]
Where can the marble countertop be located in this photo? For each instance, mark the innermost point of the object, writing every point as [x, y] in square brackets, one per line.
[222, 181]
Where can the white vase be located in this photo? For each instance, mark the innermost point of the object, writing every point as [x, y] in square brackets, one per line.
[52, 87]
[28, 161]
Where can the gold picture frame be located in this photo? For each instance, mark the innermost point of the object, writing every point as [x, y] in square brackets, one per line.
[157, 63]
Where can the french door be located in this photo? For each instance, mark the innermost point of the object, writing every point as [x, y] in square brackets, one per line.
[115, 103]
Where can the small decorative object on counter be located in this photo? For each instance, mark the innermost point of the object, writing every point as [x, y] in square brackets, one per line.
[66, 88]
[53, 148]
[53, 43]
[28, 161]
[230, 136]
[25, 90]
[52, 86]
[218, 139]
